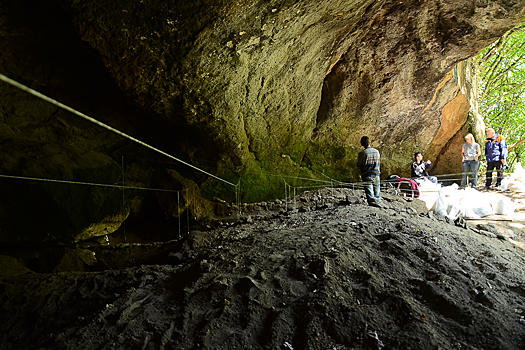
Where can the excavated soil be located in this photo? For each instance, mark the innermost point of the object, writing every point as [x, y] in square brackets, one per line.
[322, 271]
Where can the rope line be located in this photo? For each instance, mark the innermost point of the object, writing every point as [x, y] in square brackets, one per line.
[124, 200]
[297, 177]
[238, 201]
[178, 211]
[188, 213]
[88, 183]
[67, 108]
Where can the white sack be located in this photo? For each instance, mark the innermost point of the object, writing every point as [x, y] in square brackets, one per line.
[505, 184]
[516, 186]
[466, 208]
[440, 207]
[519, 172]
[474, 204]
[447, 203]
[428, 186]
[453, 207]
[502, 205]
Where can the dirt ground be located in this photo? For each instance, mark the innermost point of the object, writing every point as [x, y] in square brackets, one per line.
[321, 271]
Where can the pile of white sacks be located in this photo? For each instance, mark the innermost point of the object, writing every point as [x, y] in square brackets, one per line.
[516, 181]
[472, 204]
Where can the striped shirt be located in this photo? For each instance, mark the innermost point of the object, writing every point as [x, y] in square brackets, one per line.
[368, 162]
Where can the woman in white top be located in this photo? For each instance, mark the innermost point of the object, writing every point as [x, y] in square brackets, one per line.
[470, 152]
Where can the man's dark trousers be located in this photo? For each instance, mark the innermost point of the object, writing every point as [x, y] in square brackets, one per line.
[490, 168]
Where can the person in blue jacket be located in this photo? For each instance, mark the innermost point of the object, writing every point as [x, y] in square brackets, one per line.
[496, 153]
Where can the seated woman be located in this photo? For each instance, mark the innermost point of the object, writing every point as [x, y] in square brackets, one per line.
[419, 169]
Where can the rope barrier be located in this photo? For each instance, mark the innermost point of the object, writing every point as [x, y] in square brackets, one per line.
[297, 178]
[178, 211]
[82, 115]
[315, 171]
[287, 187]
[188, 218]
[124, 200]
[88, 183]
[238, 198]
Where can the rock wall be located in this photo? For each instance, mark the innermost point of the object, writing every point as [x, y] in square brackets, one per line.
[257, 92]
[256, 79]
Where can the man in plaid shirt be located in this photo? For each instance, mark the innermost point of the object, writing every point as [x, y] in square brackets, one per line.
[368, 162]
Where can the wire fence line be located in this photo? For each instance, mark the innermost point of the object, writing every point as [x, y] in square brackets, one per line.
[93, 120]
[88, 183]
[290, 190]
[290, 195]
[12, 82]
[123, 188]
[238, 197]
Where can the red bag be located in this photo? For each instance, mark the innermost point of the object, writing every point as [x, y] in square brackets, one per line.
[405, 185]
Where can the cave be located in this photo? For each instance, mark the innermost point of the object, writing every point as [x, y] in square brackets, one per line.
[138, 134]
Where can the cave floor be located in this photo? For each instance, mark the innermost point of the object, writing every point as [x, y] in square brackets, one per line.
[328, 272]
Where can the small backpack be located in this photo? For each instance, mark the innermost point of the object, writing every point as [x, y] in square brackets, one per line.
[405, 185]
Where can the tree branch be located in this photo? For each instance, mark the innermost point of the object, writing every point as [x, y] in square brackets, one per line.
[516, 144]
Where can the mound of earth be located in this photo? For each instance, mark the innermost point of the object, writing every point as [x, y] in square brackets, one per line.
[320, 271]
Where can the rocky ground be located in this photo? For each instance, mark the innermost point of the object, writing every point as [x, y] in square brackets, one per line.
[322, 271]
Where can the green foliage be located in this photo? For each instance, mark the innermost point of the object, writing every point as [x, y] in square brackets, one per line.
[501, 67]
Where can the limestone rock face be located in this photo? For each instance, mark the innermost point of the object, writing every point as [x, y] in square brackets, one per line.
[187, 197]
[260, 93]
[304, 78]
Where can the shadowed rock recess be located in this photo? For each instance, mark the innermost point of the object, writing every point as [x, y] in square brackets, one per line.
[268, 96]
